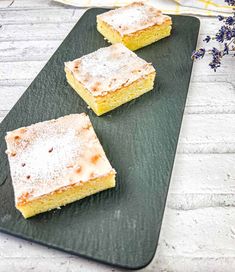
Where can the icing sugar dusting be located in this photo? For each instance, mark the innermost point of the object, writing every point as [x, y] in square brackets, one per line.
[47, 155]
[109, 69]
[50, 155]
[133, 17]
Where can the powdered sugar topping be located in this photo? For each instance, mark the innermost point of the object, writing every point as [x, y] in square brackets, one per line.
[133, 17]
[51, 155]
[109, 69]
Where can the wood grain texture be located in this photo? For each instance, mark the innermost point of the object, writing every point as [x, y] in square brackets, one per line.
[32, 50]
[204, 98]
[194, 177]
[19, 32]
[28, 4]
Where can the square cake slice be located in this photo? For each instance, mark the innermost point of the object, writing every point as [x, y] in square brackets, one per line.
[56, 162]
[110, 77]
[135, 25]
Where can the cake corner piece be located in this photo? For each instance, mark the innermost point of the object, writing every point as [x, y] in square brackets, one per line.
[56, 162]
[110, 77]
[135, 25]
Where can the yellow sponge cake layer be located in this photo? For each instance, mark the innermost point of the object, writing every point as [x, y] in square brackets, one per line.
[103, 104]
[135, 25]
[139, 38]
[110, 77]
[56, 162]
[65, 195]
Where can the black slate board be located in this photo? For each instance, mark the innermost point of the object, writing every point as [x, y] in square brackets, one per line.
[119, 226]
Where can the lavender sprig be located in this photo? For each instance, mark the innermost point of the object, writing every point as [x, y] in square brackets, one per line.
[230, 2]
[225, 36]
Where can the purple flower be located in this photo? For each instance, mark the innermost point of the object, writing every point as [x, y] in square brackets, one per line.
[207, 39]
[230, 2]
[229, 34]
[214, 65]
[233, 31]
[220, 35]
[220, 18]
[226, 49]
[216, 53]
[198, 54]
[225, 35]
[216, 58]
[230, 20]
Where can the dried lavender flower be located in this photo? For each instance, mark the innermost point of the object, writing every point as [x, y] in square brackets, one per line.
[225, 36]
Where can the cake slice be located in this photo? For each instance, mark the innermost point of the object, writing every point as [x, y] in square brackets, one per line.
[135, 25]
[56, 162]
[110, 77]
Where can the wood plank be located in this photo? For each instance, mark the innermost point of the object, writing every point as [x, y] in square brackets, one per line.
[15, 82]
[202, 180]
[35, 31]
[50, 15]
[201, 73]
[31, 50]
[17, 23]
[73, 264]
[207, 133]
[27, 51]
[34, 49]
[60, 14]
[180, 225]
[11, 95]
[20, 70]
[203, 174]
[208, 25]
[192, 264]
[41, 31]
[63, 13]
[203, 98]
[179, 201]
[59, 264]
[29, 4]
[210, 97]
[182, 239]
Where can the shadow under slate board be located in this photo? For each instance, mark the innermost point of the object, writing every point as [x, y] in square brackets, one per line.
[120, 226]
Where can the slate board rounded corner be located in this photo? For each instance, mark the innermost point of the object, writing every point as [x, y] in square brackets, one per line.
[195, 20]
[133, 267]
[118, 227]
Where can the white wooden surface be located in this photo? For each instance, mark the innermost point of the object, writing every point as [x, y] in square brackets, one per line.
[198, 232]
